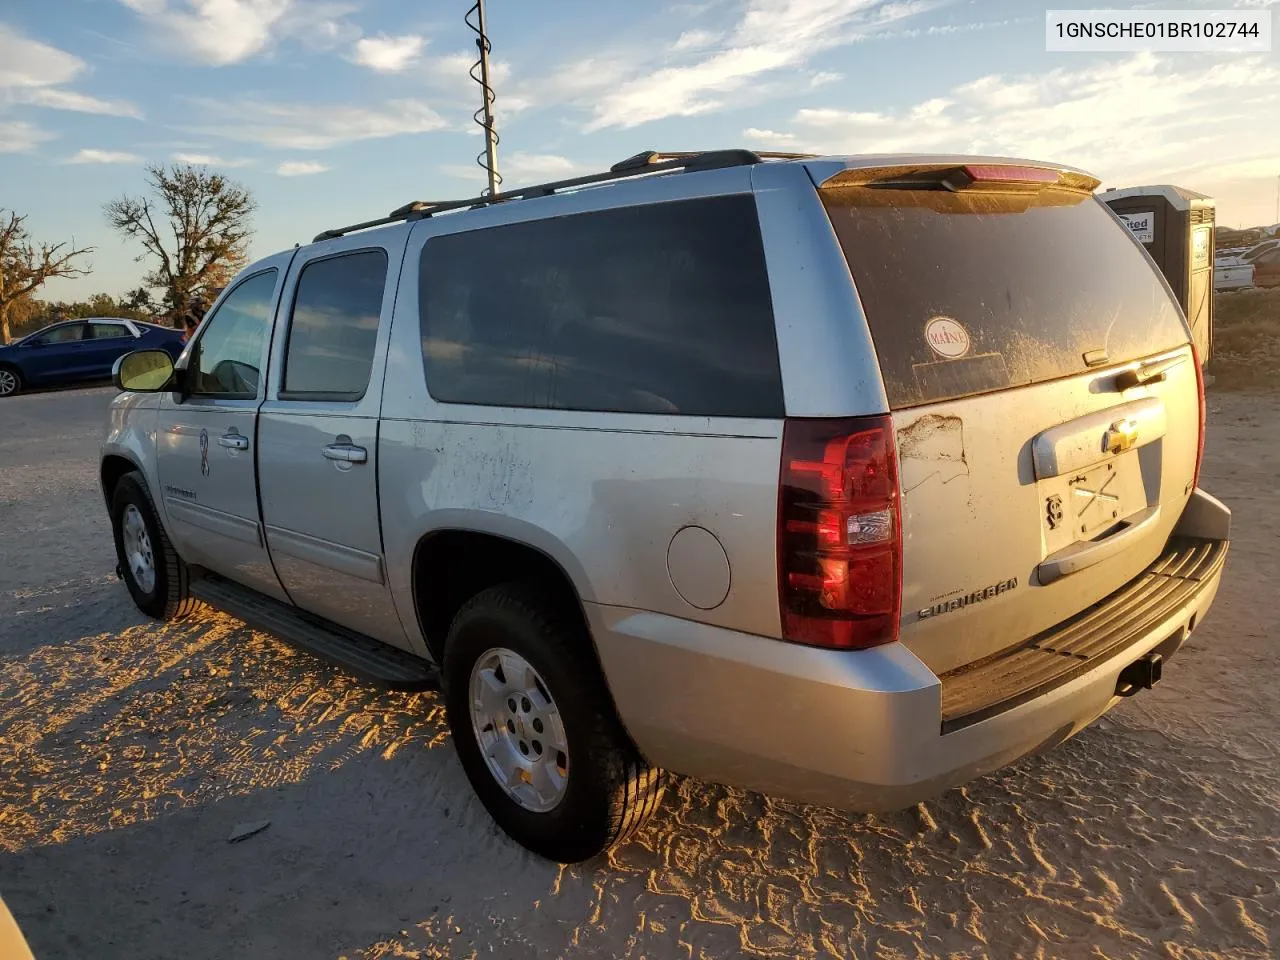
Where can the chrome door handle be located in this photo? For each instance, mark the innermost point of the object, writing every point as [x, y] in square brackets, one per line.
[346, 453]
[233, 441]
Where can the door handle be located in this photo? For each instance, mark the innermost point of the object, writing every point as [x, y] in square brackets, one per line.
[346, 453]
[233, 441]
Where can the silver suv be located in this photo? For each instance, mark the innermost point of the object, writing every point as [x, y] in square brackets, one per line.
[844, 479]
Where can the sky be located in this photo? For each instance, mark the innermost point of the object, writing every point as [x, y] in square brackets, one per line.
[336, 111]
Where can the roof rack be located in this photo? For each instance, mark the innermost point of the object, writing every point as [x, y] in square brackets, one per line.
[642, 164]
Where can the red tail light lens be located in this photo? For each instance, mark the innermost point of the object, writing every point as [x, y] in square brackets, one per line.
[839, 533]
[1204, 414]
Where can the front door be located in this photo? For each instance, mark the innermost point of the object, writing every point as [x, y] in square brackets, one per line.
[206, 438]
[55, 355]
[318, 434]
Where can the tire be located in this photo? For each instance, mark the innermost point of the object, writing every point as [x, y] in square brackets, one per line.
[10, 381]
[609, 790]
[167, 596]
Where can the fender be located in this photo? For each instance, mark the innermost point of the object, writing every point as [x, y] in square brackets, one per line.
[131, 436]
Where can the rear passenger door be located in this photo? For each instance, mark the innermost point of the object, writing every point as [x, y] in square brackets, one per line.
[318, 433]
[107, 341]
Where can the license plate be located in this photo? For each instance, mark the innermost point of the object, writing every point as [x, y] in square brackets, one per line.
[1086, 504]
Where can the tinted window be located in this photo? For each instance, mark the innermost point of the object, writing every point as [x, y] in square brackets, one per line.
[654, 309]
[1036, 281]
[226, 359]
[67, 333]
[335, 325]
[108, 331]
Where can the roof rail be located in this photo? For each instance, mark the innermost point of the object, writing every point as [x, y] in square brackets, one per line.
[642, 164]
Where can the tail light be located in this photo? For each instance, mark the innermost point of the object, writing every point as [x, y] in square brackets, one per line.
[1204, 414]
[839, 533]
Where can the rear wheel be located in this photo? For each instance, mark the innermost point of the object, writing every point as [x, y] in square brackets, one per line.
[10, 381]
[536, 731]
[151, 568]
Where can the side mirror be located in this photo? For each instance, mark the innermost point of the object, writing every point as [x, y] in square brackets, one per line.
[143, 371]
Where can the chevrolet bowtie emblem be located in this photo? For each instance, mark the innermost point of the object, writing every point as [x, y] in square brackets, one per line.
[1120, 436]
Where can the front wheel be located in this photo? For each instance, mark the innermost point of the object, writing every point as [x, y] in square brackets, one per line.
[151, 568]
[10, 381]
[536, 731]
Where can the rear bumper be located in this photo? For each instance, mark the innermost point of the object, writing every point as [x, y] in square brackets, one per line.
[863, 730]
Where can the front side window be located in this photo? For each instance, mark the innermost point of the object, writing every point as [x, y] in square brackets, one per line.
[226, 360]
[334, 326]
[663, 308]
[108, 331]
[67, 333]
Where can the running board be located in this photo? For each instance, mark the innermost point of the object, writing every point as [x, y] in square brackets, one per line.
[362, 655]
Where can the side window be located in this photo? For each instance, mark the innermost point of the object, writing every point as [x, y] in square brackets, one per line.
[334, 327]
[67, 333]
[108, 331]
[226, 359]
[654, 309]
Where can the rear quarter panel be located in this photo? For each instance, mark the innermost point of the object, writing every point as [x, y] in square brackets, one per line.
[603, 495]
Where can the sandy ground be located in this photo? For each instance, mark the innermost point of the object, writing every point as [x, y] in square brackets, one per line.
[129, 752]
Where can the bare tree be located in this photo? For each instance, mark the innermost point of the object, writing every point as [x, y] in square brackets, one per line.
[25, 265]
[208, 217]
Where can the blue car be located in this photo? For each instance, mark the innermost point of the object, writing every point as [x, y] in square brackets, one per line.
[75, 351]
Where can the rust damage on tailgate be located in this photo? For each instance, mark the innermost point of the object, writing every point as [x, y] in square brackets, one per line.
[936, 442]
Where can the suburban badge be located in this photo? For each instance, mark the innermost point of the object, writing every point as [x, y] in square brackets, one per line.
[956, 603]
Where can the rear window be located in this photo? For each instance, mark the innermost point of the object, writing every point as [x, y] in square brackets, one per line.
[967, 293]
[652, 309]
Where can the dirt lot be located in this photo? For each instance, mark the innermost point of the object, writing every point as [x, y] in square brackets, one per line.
[129, 752]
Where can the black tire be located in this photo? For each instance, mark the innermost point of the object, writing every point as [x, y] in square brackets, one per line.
[5, 389]
[611, 790]
[169, 598]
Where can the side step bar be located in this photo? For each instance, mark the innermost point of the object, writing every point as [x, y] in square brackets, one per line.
[383, 664]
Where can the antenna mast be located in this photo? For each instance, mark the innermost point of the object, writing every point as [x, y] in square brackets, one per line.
[488, 160]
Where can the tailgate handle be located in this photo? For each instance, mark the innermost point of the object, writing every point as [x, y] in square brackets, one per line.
[1080, 556]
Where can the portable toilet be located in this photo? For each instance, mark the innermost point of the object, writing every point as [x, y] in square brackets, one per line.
[1176, 227]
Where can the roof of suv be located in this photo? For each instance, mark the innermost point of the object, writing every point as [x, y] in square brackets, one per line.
[649, 162]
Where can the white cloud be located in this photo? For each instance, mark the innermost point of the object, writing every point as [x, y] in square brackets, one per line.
[824, 77]
[695, 40]
[91, 155]
[33, 73]
[520, 168]
[1138, 118]
[29, 63]
[217, 32]
[18, 136]
[300, 168]
[57, 99]
[388, 54]
[208, 160]
[706, 71]
[769, 138]
[314, 126]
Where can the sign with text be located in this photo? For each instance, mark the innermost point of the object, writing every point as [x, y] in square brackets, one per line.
[1141, 225]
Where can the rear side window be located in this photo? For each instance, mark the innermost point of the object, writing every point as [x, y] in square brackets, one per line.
[653, 309]
[967, 293]
[334, 326]
[108, 331]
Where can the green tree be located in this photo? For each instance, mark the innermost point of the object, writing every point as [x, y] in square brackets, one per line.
[207, 216]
